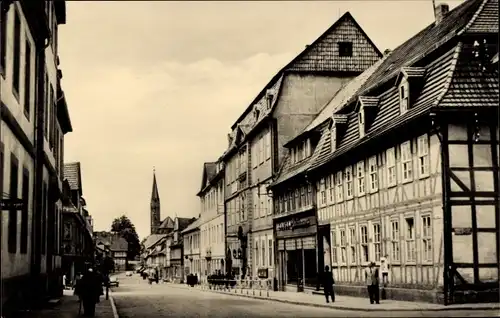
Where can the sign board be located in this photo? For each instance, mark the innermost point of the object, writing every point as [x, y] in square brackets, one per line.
[11, 204]
[263, 272]
[293, 224]
[463, 231]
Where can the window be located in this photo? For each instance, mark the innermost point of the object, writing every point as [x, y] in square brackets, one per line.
[27, 80]
[376, 241]
[12, 230]
[297, 198]
[423, 156]
[333, 138]
[263, 251]
[364, 243]
[261, 149]
[340, 190]
[403, 97]
[268, 145]
[3, 36]
[406, 161]
[303, 196]
[46, 110]
[322, 191]
[17, 53]
[395, 240]
[410, 240]
[345, 49]
[360, 167]
[334, 247]
[361, 123]
[348, 182]
[426, 238]
[256, 252]
[391, 167]
[24, 212]
[270, 246]
[343, 246]
[372, 166]
[352, 240]
[332, 188]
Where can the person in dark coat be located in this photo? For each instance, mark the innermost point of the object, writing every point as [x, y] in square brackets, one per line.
[372, 282]
[89, 289]
[328, 283]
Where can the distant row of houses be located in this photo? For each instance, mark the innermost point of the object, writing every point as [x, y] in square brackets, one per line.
[113, 245]
[348, 156]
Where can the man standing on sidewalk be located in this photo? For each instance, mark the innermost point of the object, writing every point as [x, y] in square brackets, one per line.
[372, 282]
[328, 282]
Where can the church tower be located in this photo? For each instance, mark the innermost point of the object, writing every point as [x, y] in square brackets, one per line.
[155, 207]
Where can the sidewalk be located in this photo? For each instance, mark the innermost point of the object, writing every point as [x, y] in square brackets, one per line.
[68, 308]
[344, 302]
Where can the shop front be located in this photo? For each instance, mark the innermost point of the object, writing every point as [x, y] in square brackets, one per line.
[297, 253]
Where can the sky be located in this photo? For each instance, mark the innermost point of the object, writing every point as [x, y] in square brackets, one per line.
[159, 84]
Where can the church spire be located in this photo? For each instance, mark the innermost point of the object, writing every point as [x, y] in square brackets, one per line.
[155, 206]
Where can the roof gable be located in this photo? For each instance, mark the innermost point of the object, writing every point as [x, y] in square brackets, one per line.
[209, 172]
[322, 55]
[168, 223]
[72, 173]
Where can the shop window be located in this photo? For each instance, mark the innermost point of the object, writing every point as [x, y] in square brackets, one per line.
[426, 238]
[376, 241]
[395, 240]
[391, 167]
[263, 251]
[410, 239]
[363, 231]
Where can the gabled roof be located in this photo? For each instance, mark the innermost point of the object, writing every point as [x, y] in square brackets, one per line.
[193, 226]
[153, 239]
[183, 222]
[72, 173]
[168, 223]
[454, 78]
[209, 172]
[119, 245]
[320, 60]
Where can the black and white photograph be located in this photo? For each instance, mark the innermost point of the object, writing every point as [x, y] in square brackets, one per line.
[308, 158]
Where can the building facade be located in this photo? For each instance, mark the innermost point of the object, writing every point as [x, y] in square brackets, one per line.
[212, 243]
[407, 165]
[191, 247]
[176, 250]
[31, 156]
[290, 102]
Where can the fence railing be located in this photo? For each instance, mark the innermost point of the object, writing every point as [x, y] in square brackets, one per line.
[260, 287]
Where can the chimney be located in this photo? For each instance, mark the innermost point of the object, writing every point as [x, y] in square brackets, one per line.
[440, 12]
[229, 139]
[387, 51]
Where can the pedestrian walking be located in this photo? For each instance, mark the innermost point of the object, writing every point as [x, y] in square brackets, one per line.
[89, 289]
[328, 283]
[372, 282]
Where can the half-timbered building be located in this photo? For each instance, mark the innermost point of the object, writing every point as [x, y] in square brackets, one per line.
[408, 170]
[286, 105]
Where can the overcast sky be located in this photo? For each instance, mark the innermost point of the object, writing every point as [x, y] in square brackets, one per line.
[160, 84]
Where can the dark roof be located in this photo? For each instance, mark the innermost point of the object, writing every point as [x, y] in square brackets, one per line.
[154, 192]
[193, 226]
[153, 239]
[320, 60]
[119, 245]
[209, 172]
[168, 223]
[454, 78]
[184, 223]
[72, 173]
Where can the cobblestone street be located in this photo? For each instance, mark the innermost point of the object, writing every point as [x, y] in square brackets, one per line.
[136, 298]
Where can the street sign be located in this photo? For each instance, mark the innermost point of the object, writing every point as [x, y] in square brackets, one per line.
[11, 204]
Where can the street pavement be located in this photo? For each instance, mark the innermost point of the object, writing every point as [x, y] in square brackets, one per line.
[136, 298]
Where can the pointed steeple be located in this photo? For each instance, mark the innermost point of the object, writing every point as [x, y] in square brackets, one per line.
[155, 206]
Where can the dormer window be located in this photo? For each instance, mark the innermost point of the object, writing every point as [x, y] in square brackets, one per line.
[256, 113]
[361, 123]
[333, 138]
[345, 49]
[269, 98]
[403, 97]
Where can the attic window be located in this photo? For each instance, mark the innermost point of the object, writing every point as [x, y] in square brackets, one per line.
[345, 49]
[361, 123]
[403, 97]
[333, 138]
[256, 113]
